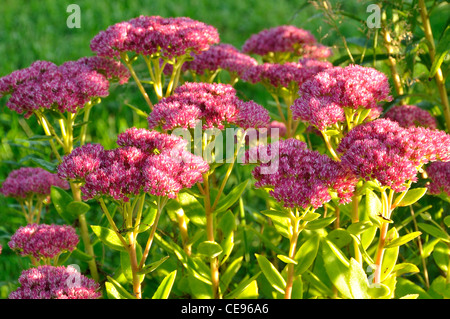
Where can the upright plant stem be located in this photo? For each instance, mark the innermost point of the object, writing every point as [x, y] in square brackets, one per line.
[355, 219]
[85, 233]
[290, 267]
[440, 81]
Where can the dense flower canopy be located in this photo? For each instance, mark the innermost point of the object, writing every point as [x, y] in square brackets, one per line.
[411, 115]
[439, 175]
[27, 181]
[65, 88]
[286, 38]
[145, 161]
[323, 98]
[303, 178]
[212, 103]
[44, 241]
[385, 151]
[221, 56]
[48, 282]
[150, 35]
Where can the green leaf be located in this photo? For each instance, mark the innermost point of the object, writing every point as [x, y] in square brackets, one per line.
[310, 216]
[340, 237]
[306, 254]
[231, 198]
[112, 292]
[81, 255]
[165, 287]
[247, 288]
[60, 199]
[402, 240]
[441, 286]
[336, 266]
[76, 208]
[359, 227]
[434, 231]
[357, 280]
[281, 221]
[193, 209]
[441, 255]
[405, 268]
[122, 291]
[153, 266]
[390, 255]
[41, 138]
[447, 221]
[209, 249]
[442, 48]
[271, 273]
[108, 237]
[125, 263]
[320, 223]
[148, 219]
[286, 259]
[373, 206]
[412, 196]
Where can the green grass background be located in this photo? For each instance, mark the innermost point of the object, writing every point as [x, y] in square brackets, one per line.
[33, 30]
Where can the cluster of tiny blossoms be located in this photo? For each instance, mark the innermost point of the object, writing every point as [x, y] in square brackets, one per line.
[49, 282]
[439, 175]
[212, 103]
[221, 56]
[65, 88]
[282, 75]
[145, 161]
[150, 35]
[286, 38]
[323, 98]
[27, 181]
[44, 241]
[410, 116]
[303, 178]
[391, 154]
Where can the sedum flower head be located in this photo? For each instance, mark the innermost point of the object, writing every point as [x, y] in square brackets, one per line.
[385, 151]
[221, 56]
[283, 75]
[303, 178]
[44, 241]
[439, 175]
[285, 38]
[64, 88]
[145, 161]
[212, 103]
[323, 98]
[27, 181]
[411, 115]
[150, 35]
[48, 282]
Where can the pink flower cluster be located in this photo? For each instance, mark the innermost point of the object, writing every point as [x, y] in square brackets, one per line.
[385, 151]
[112, 69]
[286, 38]
[26, 181]
[411, 115]
[439, 175]
[282, 75]
[44, 241]
[146, 161]
[323, 98]
[48, 282]
[221, 56]
[214, 104]
[303, 177]
[150, 35]
[65, 88]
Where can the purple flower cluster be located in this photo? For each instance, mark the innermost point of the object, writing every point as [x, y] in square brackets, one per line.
[65, 88]
[214, 104]
[282, 75]
[112, 69]
[44, 241]
[150, 35]
[26, 181]
[410, 116]
[303, 177]
[146, 161]
[323, 98]
[48, 282]
[439, 175]
[385, 151]
[221, 56]
[286, 38]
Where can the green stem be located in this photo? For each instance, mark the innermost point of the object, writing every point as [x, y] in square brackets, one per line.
[355, 219]
[292, 249]
[330, 147]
